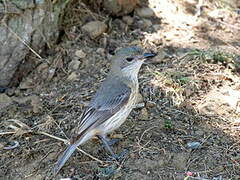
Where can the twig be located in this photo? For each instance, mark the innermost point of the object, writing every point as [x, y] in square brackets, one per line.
[142, 147]
[89, 155]
[6, 133]
[52, 136]
[20, 39]
[59, 139]
[145, 133]
[67, 142]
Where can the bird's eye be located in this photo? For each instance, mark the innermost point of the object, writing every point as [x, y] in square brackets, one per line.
[129, 59]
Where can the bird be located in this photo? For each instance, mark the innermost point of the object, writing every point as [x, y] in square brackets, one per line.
[112, 103]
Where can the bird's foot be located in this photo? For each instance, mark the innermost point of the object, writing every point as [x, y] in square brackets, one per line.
[107, 144]
[111, 142]
[118, 157]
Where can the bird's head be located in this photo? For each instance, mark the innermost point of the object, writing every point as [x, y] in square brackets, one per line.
[128, 61]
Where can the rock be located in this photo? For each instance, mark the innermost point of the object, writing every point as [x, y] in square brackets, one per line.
[10, 91]
[193, 145]
[72, 77]
[139, 98]
[120, 7]
[94, 28]
[4, 101]
[144, 114]
[145, 12]
[120, 24]
[74, 65]
[238, 11]
[34, 100]
[42, 67]
[109, 56]
[139, 105]
[43, 70]
[237, 3]
[150, 104]
[27, 83]
[128, 20]
[156, 27]
[36, 104]
[17, 92]
[51, 74]
[11, 145]
[80, 53]
[3, 89]
[103, 42]
[147, 23]
[100, 51]
[237, 58]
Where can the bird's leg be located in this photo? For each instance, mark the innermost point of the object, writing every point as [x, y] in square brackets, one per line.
[111, 142]
[107, 146]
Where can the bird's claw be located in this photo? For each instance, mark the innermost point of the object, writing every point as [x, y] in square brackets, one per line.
[118, 157]
[110, 142]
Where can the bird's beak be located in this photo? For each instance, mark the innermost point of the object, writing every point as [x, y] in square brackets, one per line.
[148, 55]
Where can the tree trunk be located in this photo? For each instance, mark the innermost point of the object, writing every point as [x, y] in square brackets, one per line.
[26, 26]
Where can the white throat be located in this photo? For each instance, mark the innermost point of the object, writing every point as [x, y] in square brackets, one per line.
[131, 71]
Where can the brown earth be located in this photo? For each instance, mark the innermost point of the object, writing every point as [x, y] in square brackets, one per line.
[191, 94]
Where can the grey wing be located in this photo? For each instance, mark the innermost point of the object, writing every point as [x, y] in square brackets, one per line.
[108, 100]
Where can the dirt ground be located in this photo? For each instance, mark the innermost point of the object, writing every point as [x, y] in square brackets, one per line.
[187, 124]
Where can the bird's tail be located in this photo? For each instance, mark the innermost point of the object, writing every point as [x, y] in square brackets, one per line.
[64, 157]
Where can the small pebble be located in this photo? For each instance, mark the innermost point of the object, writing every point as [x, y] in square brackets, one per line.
[101, 51]
[238, 11]
[74, 65]
[36, 104]
[13, 146]
[119, 7]
[10, 91]
[145, 12]
[94, 28]
[193, 145]
[3, 89]
[4, 101]
[128, 20]
[144, 114]
[217, 178]
[150, 104]
[156, 27]
[145, 23]
[72, 77]
[237, 59]
[80, 54]
[139, 105]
